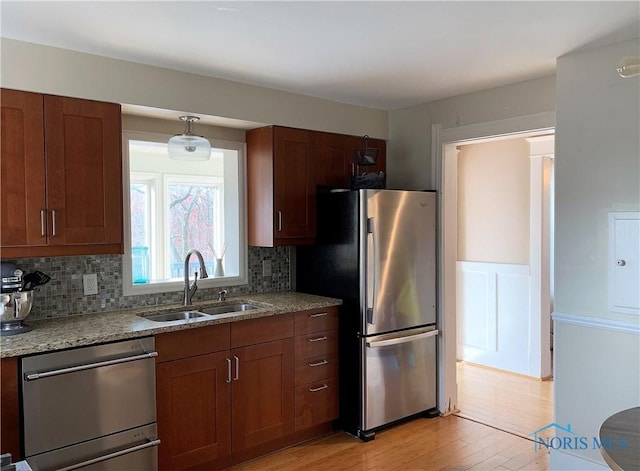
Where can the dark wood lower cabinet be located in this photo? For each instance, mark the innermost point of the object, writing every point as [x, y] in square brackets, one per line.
[227, 394]
[262, 394]
[9, 412]
[194, 413]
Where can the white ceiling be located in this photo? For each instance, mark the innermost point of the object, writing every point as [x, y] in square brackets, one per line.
[384, 55]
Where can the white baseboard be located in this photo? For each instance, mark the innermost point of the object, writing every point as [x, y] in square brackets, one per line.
[560, 461]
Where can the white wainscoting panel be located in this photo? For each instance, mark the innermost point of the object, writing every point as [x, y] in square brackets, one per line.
[493, 315]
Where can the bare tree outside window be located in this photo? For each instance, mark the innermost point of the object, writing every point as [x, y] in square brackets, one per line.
[192, 218]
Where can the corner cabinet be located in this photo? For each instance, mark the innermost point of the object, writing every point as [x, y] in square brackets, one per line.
[284, 168]
[61, 171]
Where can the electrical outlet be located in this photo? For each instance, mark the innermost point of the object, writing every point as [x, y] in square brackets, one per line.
[90, 284]
[266, 268]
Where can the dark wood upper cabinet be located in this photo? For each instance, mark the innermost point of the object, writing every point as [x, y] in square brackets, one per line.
[284, 168]
[281, 187]
[328, 156]
[61, 176]
[84, 170]
[22, 161]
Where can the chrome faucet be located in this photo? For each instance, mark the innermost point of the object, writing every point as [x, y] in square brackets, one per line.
[189, 291]
[222, 295]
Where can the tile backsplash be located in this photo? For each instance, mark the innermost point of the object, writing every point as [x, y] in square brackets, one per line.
[63, 294]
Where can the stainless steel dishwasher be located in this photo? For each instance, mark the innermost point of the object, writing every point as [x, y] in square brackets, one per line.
[91, 408]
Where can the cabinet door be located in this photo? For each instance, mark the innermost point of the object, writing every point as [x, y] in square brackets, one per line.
[22, 175]
[327, 151]
[294, 190]
[262, 393]
[10, 429]
[194, 412]
[84, 172]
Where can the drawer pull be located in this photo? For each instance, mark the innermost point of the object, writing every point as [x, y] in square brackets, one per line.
[319, 363]
[89, 366]
[324, 386]
[318, 339]
[319, 314]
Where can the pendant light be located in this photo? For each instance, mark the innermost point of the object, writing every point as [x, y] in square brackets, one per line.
[188, 146]
[629, 66]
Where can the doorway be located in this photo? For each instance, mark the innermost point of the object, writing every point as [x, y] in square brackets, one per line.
[500, 207]
[532, 284]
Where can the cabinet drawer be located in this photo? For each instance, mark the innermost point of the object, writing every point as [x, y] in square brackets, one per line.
[316, 403]
[316, 320]
[315, 369]
[192, 342]
[266, 329]
[316, 344]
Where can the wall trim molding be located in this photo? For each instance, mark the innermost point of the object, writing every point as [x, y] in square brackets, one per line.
[532, 124]
[595, 322]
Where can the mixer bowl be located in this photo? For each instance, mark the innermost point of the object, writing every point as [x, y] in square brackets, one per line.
[14, 308]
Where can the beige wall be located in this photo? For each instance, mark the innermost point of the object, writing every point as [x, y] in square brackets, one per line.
[493, 202]
[409, 148]
[597, 170]
[44, 69]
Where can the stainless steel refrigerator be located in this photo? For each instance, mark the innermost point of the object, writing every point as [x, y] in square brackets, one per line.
[376, 250]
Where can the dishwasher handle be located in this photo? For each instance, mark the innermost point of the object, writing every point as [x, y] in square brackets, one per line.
[115, 454]
[399, 340]
[88, 366]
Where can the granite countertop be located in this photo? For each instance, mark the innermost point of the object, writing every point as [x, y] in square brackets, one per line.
[87, 329]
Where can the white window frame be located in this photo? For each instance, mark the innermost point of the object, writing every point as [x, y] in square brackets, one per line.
[152, 180]
[239, 217]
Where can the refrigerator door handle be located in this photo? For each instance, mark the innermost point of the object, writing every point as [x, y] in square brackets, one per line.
[399, 340]
[371, 310]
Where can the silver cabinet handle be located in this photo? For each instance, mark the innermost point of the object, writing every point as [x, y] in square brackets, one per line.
[53, 222]
[88, 366]
[405, 339]
[109, 456]
[43, 222]
[324, 386]
[237, 376]
[319, 314]
[228, 370]
[318, 339]
[319, 363]
[279, 221]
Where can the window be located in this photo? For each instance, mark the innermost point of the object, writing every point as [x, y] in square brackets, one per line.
[172, 207]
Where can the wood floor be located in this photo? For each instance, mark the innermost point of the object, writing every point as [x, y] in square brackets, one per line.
[444, 443]
[509, 402]
[518, 404]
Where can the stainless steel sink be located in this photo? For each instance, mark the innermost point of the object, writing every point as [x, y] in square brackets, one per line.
[174, 316]
[228, 308]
